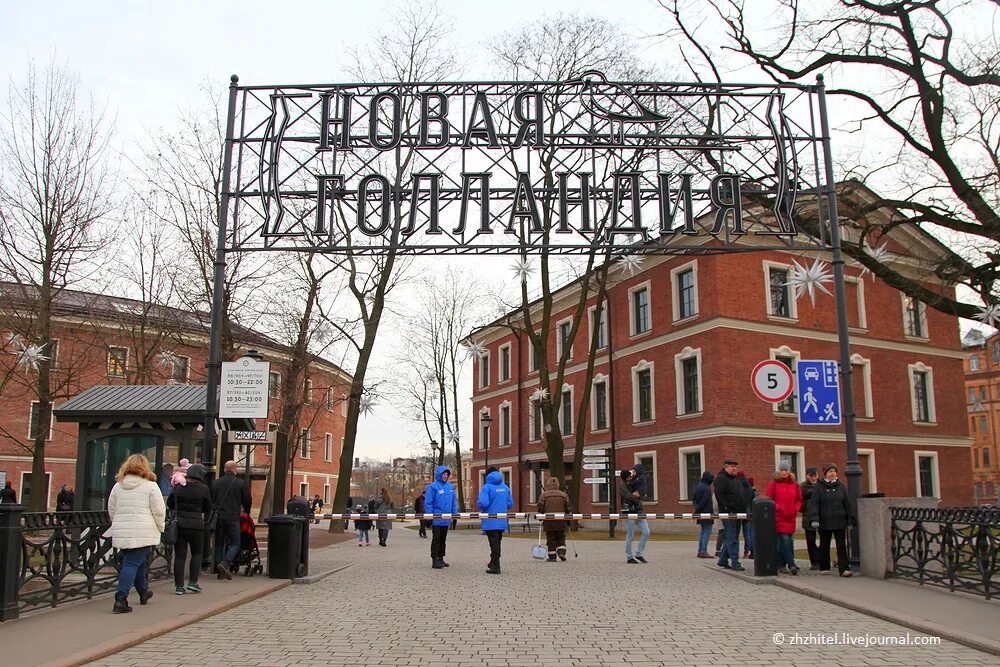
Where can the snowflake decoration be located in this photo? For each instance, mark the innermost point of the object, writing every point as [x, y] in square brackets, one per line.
[15, 339]
[323, 333]
[990, 316]
[475, 349]
[523, 269]
[880, 254]
[166, 358]
[631, 264]
[451, 437]
[31, 357]
[366, 405]
[809, 280]
[539, 395]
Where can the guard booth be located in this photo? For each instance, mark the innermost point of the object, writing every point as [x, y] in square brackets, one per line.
[162, 422]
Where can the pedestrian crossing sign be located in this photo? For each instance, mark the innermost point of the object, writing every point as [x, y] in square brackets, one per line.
[819, 392]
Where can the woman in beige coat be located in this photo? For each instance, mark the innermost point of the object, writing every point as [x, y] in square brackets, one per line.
[137, 515]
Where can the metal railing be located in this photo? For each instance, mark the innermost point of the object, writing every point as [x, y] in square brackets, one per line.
[955, 547]
[60, 557]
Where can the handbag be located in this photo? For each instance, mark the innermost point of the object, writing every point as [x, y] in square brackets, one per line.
[538, 550]
[170, 532]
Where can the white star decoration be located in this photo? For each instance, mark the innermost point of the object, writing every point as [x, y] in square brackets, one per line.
[451, 438]
[630, 264]
[366, 405]
[540, 394]
[990, 315]
[879, 253]
[809, 280]
[166, 358]
[474, 349]
[15, 339]
[323, 333]
[31, 357]
[523, 269]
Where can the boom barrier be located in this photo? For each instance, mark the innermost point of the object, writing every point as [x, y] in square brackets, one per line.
[525, 515]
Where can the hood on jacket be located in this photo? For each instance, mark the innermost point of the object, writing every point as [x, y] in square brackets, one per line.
[494, 478]
[132, 482]
[707, 477]
[552, 483]
[639, 469]
[440, 470]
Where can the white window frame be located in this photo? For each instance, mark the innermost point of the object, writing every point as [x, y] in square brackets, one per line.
[643, 365]
[344, 404]
[187, 370]
[859, 291]
[52, 409]
[931, 408]
[246, 453]
[599, 378]
[48, 485]
[572, 416]
[505, 424]
[973, 363]
[277, 384]
[326, 493]
[484, 370]
[647, 285]
[559, 338]
[330, 401]
[872, 476]
[785, 351]
[328, 447]
[500, 374]
[532, 358]
[531, 422]
[484, 428]
[532, 474]
[307, 391]
[923, 334]
[124, 372]
[866, 377]
[594, 498]
[917, 455]
[304, 489]
[682, 469]
[676, 294]
[792, 449]
[793, 310]
[305, 438]
[591, 314]
[54, 358]
[656, 482]
[679, 358]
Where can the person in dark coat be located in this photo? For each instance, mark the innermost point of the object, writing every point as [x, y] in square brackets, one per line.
[418, 507]
[554, 501]
[7, 494]
[731, 500]
[633, 488]
[702, 504]
[229, 495]
[812, 477]
[830, 513]
[747, 526]
[384, 506]
[192, 504]
[363, 525]
[64, 501]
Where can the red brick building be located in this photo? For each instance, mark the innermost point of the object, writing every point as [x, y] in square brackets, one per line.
[100, 340]
[677, 347]
[982, 393]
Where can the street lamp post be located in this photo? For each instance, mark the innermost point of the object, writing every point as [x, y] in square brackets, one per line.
[486, 420]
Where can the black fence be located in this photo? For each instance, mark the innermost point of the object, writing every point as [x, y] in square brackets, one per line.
[59, 557]
[954, 547]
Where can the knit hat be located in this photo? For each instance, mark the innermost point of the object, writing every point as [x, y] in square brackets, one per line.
[196, 471]
[830, 466]
[784, 464]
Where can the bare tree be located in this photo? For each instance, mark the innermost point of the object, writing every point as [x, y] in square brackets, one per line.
[54, 190]
[924, 76]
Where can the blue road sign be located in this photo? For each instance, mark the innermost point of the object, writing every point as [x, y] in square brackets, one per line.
[819, 392]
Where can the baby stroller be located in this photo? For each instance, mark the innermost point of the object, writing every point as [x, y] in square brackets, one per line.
[249, 555]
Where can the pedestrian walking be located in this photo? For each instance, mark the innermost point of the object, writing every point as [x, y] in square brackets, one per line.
[418, 507]
[812, 546]
[787, 497]
[192, 505]
[137, 521]
[7, 494]
[494, 498]
[701, 501]
[385, 505]
[554, 501]
[633, 488]
[317, 507]
[830, 513]
[731, 499]
[363, 526]
[440, 498]
[230, 495]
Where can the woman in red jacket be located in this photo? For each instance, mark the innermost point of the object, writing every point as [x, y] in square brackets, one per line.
[787, 498]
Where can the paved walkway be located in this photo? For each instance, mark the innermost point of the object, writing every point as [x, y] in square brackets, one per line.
[390, 608]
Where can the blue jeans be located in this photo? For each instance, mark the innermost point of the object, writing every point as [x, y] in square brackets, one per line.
[786, 550]
[706, 532]
[133, 571]
[747, 536]
[363, 533]
[630, 533]
[227, 530]
[731, 542]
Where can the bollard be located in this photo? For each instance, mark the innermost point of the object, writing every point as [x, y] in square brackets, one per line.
[765, 538]
[10, 558]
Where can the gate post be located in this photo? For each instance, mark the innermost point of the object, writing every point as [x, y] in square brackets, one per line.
[765, 538]
[10, 558]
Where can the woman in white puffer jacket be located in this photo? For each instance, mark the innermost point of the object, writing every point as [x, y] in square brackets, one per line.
[137, 516]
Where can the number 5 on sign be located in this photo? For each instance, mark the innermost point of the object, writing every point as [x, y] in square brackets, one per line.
[772, 381]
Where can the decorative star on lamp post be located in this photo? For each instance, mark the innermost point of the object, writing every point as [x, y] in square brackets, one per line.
[808, 280]
[630, 264]
[879, 253]
[990, 315]
[474, 349]
[523, 269]
[31, 357]
[540, 394]
[366, 405]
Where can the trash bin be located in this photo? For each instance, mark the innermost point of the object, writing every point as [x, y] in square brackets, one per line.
[284, 546]
[299, 508]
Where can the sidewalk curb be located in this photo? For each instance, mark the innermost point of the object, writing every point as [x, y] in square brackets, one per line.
[893, 616]
[313, 578]
[136, 637]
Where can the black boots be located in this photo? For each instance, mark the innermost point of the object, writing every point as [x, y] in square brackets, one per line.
[562, 553]
[552, 558]
[438, 563]
[121, 605]
[144, 597]
[493, 568]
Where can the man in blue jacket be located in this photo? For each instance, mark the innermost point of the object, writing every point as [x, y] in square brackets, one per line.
[495, 498]
[440, 498]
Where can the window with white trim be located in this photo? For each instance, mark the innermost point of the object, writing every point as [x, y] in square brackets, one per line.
[273, 384]
[684, 280]
[914, 317]
[922, 393]
[484, 370]
[861, 381]
[643, 396]
[503, 371]
[536, 420]
[328, 447]
[505, 424]
[329, 399]
[599, 407]
[687, 369]
[640, 319]
[52, 352]
[484, 431]
[690, 465]
[648, 461]
[36, 419]
[117, 361]
[304, 445]
[566, 410]
[866, 459]
[974, 362]
[532, 357]
[858, 319]
[790, 358]
[304, 489]
[307, 392]
[780, 299]
[326, 494]
[563, 340]
[536, 483]
[599, 328]
[926, 471]
[180, 369]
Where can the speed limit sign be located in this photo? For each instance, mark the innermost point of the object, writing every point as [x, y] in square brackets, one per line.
[772, 381]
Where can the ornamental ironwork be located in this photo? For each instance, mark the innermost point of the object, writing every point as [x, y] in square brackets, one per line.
[954, 547]
[566, 167]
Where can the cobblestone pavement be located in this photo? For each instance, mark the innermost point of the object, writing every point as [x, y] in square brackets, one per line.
[390, 608]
